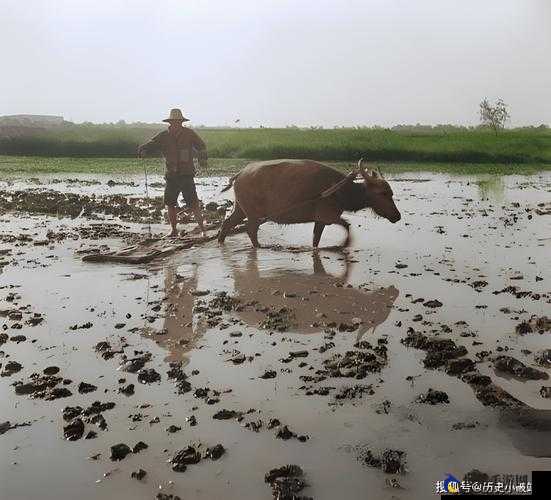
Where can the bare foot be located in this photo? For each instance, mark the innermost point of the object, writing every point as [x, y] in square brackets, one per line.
[172, 234]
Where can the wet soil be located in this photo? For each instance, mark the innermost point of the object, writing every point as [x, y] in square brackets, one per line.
[421, 350]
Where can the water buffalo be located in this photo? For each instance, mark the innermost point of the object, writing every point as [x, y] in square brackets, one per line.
[290, 192]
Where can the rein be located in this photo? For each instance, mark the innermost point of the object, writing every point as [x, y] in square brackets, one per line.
[147, 195]
[324, 194]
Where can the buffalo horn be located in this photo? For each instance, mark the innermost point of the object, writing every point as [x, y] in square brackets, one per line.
[361, 168]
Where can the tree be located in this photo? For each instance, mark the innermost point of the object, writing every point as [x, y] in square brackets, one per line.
[494, 116]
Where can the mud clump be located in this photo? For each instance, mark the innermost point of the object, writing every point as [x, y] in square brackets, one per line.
[226, 414]
[268, 374]
[369, 459]
[357, 364]
[178, 375]
[104, 348]
[85, 388]
[476, 476]
[71, 412]
[285, 433]
[52, 202]
[139, 446]
[389, 461]
[148, 376]
[439, 351]
[543, 358]
[281, 320]
[120, 451]
[10, 368]
[6, 426]
[444, 351]
[393, 461]
[512, 366]
[286, 482]
[138, 474]
[492, 395]
[133, 365]
[433, 397]
[354, 392]
[127, 390]
[185, 457]
[98, 407]
[214, 308]
[224, 302]
[42, 387]
[215, 452]
[74, 430]
[535, 324]
[433, 303]
[36, 385]
[459, 366]
[83, 326]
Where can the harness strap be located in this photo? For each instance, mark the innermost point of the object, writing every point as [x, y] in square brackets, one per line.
[324, 194]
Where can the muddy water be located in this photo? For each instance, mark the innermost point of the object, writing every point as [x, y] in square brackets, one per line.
[455, 231]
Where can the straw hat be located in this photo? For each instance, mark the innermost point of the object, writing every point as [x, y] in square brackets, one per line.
[176, 115]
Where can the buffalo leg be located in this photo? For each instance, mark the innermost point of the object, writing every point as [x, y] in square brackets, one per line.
[230, 222]
[252, 231]
[318, 229]
[346, 226]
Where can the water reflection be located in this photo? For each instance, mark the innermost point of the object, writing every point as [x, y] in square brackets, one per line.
[180, 330]
[530, 431]
[316, 299]
[491, 187]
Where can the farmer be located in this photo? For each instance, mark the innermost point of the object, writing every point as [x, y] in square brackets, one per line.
[177, 145]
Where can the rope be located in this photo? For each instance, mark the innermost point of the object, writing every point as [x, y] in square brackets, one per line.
[147, 195]
[324, 194]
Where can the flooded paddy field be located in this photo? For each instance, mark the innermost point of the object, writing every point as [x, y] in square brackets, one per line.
[421, 350]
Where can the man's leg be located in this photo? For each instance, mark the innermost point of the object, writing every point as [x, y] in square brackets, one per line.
[196, 207]
[171, 203]
[192, 201]
[173, 219]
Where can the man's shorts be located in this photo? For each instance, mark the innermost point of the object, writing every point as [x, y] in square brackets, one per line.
[176, 184]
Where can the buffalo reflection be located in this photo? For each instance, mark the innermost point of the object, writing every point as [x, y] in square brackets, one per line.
[317, 300]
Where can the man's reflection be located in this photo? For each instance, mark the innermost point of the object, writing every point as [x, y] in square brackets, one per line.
[180, 332]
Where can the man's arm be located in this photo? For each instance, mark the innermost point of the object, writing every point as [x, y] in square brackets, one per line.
[201, 148]
[151, 146]
[197, 141]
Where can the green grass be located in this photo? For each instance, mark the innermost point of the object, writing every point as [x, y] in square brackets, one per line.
[419, 144]
[30, 165]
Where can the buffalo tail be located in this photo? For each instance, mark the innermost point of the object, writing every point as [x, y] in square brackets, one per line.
[230, 183]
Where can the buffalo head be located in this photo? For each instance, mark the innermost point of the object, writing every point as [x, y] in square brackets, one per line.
[379, 194]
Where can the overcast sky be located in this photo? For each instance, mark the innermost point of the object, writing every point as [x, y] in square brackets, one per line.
[276, 62]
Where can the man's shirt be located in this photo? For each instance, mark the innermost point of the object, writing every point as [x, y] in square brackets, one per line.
[177, 150]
